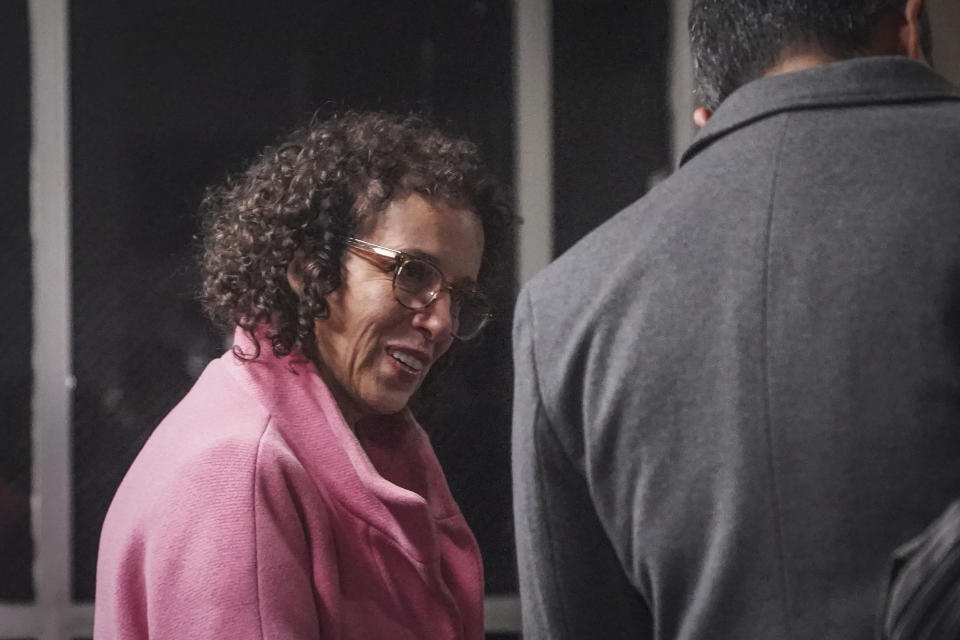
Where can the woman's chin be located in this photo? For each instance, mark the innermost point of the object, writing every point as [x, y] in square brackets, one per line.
[385, 404]
[393, 405]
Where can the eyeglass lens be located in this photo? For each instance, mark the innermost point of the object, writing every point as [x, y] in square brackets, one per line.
[417, 284]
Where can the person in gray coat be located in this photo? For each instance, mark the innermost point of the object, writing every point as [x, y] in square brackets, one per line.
[737, 397]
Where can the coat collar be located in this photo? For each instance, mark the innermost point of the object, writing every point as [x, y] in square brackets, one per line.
[859, 81]
[386, 473]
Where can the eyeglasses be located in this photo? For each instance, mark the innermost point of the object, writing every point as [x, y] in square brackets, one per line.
[417, 282]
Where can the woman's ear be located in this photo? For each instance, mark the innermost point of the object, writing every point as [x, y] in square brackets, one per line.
[295, 273]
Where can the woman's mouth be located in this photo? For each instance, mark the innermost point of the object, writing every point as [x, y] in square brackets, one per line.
[411, 362]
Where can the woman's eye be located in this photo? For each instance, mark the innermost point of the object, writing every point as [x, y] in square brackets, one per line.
[416, 274]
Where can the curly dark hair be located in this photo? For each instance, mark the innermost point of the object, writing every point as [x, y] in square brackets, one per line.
[302, 196]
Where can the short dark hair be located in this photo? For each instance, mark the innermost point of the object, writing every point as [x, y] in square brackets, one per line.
[323, 182]
[736, 41]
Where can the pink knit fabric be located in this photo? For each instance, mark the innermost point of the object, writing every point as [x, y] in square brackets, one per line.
[253, 511]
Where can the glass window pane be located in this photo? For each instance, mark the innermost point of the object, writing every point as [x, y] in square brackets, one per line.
[167, 97]
[611, 111]
[16, 547]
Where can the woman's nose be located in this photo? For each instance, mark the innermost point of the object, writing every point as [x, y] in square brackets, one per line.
[437, 319]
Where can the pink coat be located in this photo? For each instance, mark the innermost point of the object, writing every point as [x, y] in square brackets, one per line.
[253, 511]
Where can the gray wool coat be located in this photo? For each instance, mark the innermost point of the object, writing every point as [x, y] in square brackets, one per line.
[736, 397]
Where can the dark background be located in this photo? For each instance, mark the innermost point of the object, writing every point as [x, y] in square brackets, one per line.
[611, 127]
[16, 547]
[168, 97]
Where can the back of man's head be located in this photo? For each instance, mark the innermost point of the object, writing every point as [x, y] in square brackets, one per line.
[736, 41]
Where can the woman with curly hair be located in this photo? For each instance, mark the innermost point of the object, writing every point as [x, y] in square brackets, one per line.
[291, 494]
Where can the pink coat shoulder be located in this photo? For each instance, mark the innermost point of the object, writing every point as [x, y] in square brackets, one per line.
[254, 512]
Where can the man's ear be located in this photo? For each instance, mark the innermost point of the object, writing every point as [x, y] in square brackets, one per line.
[912, 31]
[701, 115]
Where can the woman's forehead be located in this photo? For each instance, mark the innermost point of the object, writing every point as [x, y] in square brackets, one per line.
[450, 237]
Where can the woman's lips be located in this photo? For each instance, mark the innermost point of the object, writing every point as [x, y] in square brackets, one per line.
[411, 360]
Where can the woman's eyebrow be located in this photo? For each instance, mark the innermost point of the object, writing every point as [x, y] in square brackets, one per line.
[464, 283]
[422, 255]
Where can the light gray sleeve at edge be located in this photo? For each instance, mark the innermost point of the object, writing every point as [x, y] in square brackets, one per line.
[571, 584]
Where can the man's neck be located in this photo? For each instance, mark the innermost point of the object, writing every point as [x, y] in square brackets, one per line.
[799, 62]
[894, 34]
